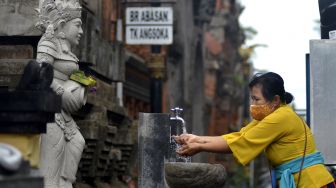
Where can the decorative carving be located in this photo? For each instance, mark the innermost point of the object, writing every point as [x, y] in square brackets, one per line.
[62, 146]
[54, 11]
[17, 18]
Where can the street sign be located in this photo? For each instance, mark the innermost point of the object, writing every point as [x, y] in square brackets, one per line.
[149, 34]
[149, 25]
[149, 16]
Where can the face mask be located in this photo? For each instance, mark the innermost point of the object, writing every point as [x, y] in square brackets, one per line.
[259, 112]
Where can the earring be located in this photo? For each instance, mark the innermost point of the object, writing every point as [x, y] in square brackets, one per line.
[61, 35]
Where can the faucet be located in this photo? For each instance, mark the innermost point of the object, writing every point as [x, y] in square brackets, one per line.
[176, 112]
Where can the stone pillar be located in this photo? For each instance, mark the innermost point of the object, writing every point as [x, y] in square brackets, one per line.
[322, 92]
[153, 140]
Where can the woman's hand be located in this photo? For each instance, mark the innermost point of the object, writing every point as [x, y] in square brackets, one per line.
[187, 138]
[192, 144]
[189, 149]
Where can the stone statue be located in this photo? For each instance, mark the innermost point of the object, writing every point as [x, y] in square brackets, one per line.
[62, 146]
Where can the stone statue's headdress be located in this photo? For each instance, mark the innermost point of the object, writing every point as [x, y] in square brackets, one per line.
[51, 12]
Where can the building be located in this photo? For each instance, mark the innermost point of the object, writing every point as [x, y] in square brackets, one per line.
[202, 72]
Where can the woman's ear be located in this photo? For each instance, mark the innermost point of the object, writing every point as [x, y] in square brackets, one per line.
[277, 100]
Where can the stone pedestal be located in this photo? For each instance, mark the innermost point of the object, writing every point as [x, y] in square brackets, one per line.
[154, 153]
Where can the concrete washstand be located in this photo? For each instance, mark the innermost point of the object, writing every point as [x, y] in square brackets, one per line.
[160, 166]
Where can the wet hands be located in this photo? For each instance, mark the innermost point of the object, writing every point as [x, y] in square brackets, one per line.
[190, 144]
[189, 149]
[185, 138]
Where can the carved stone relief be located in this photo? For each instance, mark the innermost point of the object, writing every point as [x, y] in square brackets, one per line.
[17, 17]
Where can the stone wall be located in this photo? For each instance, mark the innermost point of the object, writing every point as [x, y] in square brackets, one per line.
[20, 18]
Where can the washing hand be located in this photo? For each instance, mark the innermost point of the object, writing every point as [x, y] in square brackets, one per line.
[190, 144]
[187, 138]
[189, 149]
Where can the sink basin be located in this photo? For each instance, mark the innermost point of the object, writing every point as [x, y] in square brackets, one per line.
[194, 175]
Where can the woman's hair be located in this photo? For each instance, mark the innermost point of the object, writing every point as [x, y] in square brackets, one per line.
[272, 85]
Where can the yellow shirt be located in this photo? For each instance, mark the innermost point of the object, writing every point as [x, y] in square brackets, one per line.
[281, 135]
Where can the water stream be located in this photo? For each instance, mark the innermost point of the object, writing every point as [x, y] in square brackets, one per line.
[177, 127]
[174, 157]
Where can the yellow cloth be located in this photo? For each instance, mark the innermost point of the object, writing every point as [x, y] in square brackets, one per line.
[27, 144]
[281, 135]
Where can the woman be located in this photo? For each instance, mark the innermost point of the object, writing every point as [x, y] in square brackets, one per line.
[275, 129]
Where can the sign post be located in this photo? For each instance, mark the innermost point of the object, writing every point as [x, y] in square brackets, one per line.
[151, 26]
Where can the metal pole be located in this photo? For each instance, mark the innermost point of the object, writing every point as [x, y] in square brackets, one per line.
[307, 90]
[156, 95]
[156, 81]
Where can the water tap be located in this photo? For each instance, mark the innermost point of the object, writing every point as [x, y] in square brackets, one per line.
[176, 112]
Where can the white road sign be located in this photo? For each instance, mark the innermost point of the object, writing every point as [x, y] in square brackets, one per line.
[149, 16]
[149, 34]
[149, 25]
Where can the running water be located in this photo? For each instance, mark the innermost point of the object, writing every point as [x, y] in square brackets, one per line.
[177, 127]
[174, 146]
